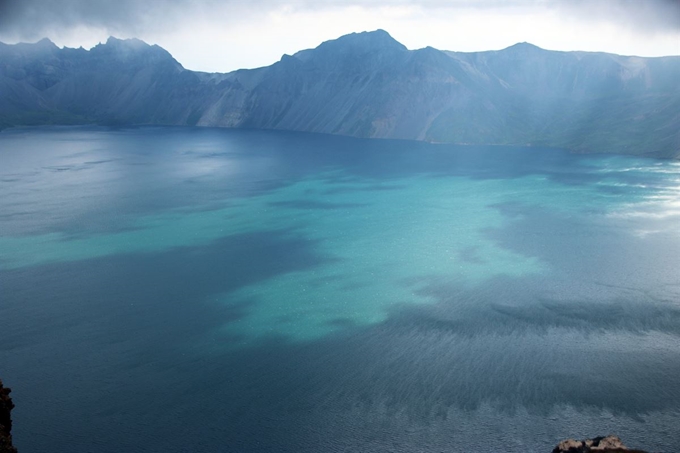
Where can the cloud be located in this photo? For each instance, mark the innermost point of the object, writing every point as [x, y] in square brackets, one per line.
[29, 19]
[650, 16]
[223, 35]
[32, 19]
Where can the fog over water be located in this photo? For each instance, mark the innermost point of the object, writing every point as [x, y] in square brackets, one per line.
[183, 289]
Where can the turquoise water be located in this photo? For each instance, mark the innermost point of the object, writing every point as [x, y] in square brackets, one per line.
[295, 292]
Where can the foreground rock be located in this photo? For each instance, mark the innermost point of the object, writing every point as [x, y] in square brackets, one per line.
[609, 444]
[6, 407]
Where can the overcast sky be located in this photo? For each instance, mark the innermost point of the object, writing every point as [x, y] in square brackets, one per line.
[214, 35]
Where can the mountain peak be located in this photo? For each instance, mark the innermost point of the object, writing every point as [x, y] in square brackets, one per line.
[132, 49]
[353, 45]
[378, 39]
[523, 47]
[361, 43]
[46, 43]
[132, 43]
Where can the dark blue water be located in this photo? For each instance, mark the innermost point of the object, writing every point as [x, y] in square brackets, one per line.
[179, 289]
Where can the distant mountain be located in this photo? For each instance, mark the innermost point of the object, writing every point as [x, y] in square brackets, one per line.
[364, 85]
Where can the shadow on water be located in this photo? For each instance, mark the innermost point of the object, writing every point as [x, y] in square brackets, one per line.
[133, 297]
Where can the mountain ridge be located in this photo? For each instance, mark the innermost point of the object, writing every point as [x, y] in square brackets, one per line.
[364, 85]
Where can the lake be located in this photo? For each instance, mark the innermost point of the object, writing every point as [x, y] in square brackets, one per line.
[191, 289]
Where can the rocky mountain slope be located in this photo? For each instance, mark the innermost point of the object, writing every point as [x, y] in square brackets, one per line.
[364, 85]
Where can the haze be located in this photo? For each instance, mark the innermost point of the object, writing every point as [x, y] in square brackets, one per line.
[208, 35]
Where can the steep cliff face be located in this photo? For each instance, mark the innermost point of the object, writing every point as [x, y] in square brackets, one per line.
[6, 407]
[364, 85]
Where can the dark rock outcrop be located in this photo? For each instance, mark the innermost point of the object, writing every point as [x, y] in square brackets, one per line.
[6, 407]
[608, 444]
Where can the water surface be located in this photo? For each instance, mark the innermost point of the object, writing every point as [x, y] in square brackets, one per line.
[185, 289]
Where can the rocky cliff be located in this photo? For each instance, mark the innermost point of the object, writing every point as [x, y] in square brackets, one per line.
[364, 85]
[6, 407]
[608, 444]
